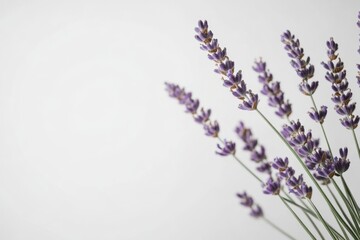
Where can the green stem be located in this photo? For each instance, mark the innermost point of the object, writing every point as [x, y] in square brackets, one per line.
[342, 211]
[333, 210]
[307, 215]
[298, 219]
[350, 195]
[356, 142]
[277, 228]
[322, 127]
[309, 211]
[321, 219]
[349, 207]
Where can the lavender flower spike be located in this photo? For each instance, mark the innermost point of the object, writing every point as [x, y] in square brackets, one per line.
[257, 151]
[247, 201]
[192, 105]
[225, 67]
[336, 75]
[302, 65]
[272, 90]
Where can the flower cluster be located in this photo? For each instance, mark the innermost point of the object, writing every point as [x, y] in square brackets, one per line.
[257, 151]
[225, 67]
[247, 201]
[272, 90]
[302, 65]
[336, 75]
[316, 159]
[286, 174]
[320, 165]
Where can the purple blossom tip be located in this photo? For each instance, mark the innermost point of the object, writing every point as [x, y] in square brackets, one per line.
[318, 116]
[342, 163]
[272, 187]
[228, 148]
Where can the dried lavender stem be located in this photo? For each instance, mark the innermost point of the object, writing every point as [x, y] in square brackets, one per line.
[277, 228]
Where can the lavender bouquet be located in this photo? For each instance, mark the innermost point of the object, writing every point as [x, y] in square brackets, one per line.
[323, 168]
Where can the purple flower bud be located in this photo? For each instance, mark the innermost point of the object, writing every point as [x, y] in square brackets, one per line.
[212, 129]
[203, 116]
[288, 173]
[258, 156]
[192, 105]
[246, 200]
[294, 182]
[225, 67]
[264, 168]
[280, 164]
[308, 89]
[256, 212]
[240, 90]
[272, 187]
[227, 149]
[232, 80]
[318, 116]
[342, 163]
[251, 103]
[302, 191]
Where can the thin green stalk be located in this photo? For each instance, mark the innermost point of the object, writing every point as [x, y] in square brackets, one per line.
[322, 127]
[321, 219]
[243, 165]
[277, 228]
[356, 142]
[350, 195]
[342, 211]
[349, 207]
[307, 216]
[332, 208]
[309, 211]
[298, 219]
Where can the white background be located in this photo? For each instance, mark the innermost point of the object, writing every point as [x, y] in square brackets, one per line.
[91, 147]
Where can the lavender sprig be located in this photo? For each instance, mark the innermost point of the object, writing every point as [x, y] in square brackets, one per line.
[258, 154]
[247, 201]
[272, 90]
[336, 75]
[225, 67]
[300, 63]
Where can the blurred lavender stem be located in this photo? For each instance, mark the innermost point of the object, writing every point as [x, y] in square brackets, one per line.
[277, 228]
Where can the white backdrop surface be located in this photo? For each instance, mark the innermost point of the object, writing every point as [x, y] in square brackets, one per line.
[91, 147]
